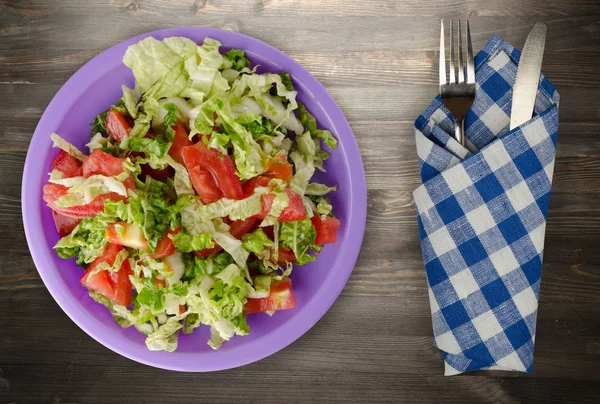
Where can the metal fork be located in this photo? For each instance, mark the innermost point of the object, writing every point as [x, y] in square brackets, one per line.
[456, 92]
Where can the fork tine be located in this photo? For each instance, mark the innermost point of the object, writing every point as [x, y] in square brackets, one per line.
[442, 58]
[452, 74]
[470, 62]
[461, 66]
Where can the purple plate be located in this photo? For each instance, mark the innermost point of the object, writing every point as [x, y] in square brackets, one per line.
[95, 87]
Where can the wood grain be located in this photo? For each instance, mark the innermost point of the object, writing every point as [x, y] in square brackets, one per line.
[378, 60]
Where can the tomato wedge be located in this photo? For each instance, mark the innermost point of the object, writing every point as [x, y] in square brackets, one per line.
[253, 183]
[205, 185]
[54, 191]
[294, 211]
[64, 224]
[238, 228]
[68, 165]
[278, 167]
[285, 255]
[180, 141]
[326, 229]
[117, 125]
[126, 234]
[102, 163]
[165, 246]
[114, 286]
[211, 174]
[281, 297]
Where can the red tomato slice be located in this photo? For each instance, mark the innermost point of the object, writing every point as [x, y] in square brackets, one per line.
[68, 165]
[209, 171]
[123, 284]
[54, 191]
[126, 234]
[208, 251]
[102, 163]
[180, 141]
[294, 211]
[278, 167]
[165, 246]
[114, 286]
[326, 229]
[205, 185]
[253, 183]
[238, 228]
[117, 125]
[281, 297]
[64, 224]
[285, 255]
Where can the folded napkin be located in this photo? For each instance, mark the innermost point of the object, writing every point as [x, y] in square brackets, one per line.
[482, 218]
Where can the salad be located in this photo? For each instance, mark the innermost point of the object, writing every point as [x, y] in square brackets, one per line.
[196, 199]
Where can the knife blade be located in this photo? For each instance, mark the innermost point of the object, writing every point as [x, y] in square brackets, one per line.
[528, 76]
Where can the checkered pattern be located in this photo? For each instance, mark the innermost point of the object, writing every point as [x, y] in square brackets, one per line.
[482, 218]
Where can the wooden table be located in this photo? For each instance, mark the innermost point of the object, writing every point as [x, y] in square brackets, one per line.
[379, 61]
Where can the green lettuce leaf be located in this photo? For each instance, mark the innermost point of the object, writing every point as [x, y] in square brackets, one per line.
[130, 99]
[316, 189]
[211, 265]
[256, 241]
[152, 297]
[205, 79]
[161, 143]
[236, 60]
[299, 236]
[324, 207]
[219, 141]
[88, 189]
[218, 301]
[287, 81]
[310, 124]
[150, 59]
[236, 209]
[165, 337]
[87, 240]
[248, 155]
[187, 243]
[170, 85]
[232, 245]
[258, 87]
[99, 124]
[150, 211]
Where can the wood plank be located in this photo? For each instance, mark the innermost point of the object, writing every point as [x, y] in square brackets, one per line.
[295, 8]
[397, 354]
[344, 68]
[384, 33]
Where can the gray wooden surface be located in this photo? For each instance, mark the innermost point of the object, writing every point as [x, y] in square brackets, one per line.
[378, 60]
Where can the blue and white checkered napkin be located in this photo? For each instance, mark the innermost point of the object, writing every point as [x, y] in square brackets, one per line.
[482, 218]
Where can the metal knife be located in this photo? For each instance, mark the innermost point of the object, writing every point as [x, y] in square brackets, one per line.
[528, 76]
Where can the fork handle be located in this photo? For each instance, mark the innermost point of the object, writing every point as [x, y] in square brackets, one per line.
[459, 132]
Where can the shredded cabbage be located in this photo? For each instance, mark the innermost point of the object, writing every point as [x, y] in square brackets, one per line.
[199, 257]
